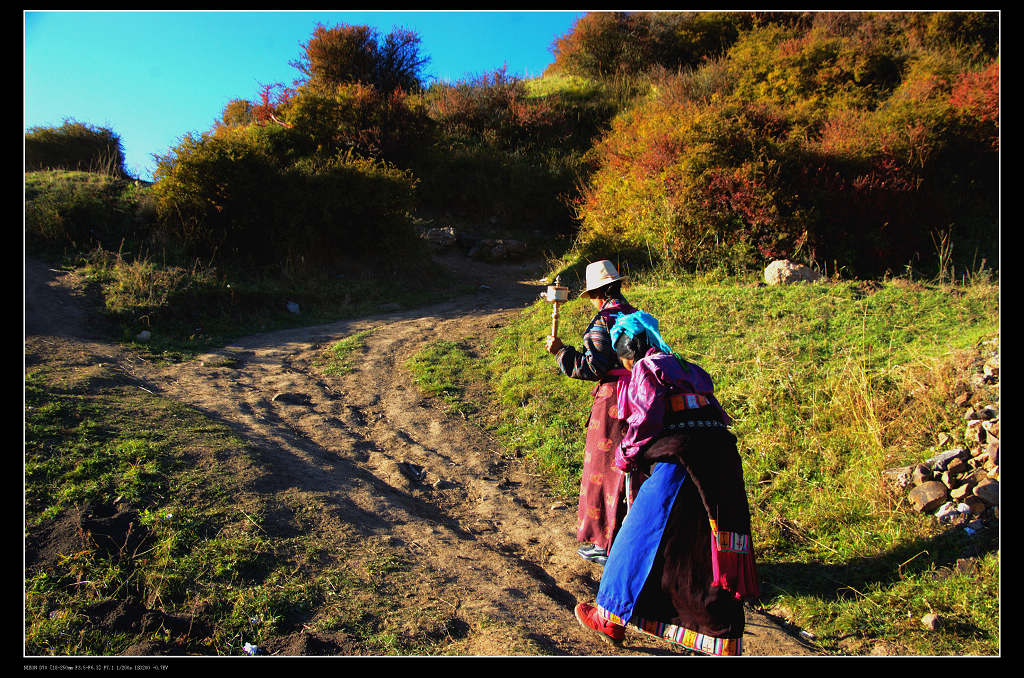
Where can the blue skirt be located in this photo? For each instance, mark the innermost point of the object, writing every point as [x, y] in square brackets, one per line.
[636, 545]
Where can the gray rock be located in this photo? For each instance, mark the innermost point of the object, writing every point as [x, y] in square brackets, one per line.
[959, 493]
[941, 460]
[144, 335]
[956, 466]
[441, 237]
[978, 380]
[975, 504]
[412, 471]
[974, 434]
[900, 477]
[515, 247]
[993, 452]
[784, 272]
[922, 474]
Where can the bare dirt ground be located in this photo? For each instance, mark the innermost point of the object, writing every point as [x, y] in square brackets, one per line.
[370, 450]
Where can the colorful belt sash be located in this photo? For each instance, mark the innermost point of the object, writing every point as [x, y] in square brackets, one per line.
[687, 401]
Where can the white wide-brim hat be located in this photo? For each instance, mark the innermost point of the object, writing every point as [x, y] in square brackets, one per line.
[601, 273]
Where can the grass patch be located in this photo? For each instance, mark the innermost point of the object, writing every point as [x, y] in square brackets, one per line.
[336, 359]
[447, 370]
[829, 384]
[80, 210]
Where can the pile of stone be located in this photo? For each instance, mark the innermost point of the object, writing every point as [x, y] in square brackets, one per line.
[441, 237]
[485, 249]
[490, 249]
[960, 485]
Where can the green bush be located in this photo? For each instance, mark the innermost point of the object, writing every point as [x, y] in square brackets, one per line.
[507, 148]
[74, 146]
[238, 195]
[351, 208]
[605, 44]
[220, 193]
[328, 120]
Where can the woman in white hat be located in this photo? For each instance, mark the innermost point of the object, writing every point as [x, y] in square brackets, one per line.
[603, 488]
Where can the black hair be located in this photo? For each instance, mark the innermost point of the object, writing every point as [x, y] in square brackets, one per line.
[632, 348]
[612, 290]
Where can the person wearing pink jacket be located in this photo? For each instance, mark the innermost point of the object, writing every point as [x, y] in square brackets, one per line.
[683, 560]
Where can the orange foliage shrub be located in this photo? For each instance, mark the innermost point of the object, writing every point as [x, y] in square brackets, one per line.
[841, 143]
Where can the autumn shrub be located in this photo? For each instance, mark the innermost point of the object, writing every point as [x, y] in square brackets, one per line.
[74, 146]
[813, 69]
[605, 44]
[345, 54]
[355, 117]
[888, 182]
[696, 183]
[974, 31]
[842, 144]
[490, 109]
[236, 112]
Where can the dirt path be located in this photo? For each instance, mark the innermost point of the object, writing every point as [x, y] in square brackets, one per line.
[373, 452]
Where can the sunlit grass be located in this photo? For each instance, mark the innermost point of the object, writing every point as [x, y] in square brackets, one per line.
[444, 369]
[337, 358]
[829, 384]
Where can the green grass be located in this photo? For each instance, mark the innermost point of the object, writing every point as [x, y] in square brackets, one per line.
[336, 359]
[829, 385]
[445, 370]
[77, 210]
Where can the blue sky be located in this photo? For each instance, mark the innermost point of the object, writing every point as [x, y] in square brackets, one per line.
[152, 77]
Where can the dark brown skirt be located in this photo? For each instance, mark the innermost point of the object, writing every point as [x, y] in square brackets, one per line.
[677, 591]
[602, 504]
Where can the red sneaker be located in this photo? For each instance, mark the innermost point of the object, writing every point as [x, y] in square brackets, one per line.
[588, 617]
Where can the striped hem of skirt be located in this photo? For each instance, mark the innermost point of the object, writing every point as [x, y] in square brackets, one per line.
[691, 640]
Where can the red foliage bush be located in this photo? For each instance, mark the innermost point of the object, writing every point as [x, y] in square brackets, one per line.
[976, 96]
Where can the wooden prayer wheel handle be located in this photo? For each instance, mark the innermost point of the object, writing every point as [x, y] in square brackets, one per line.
[556, 294]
